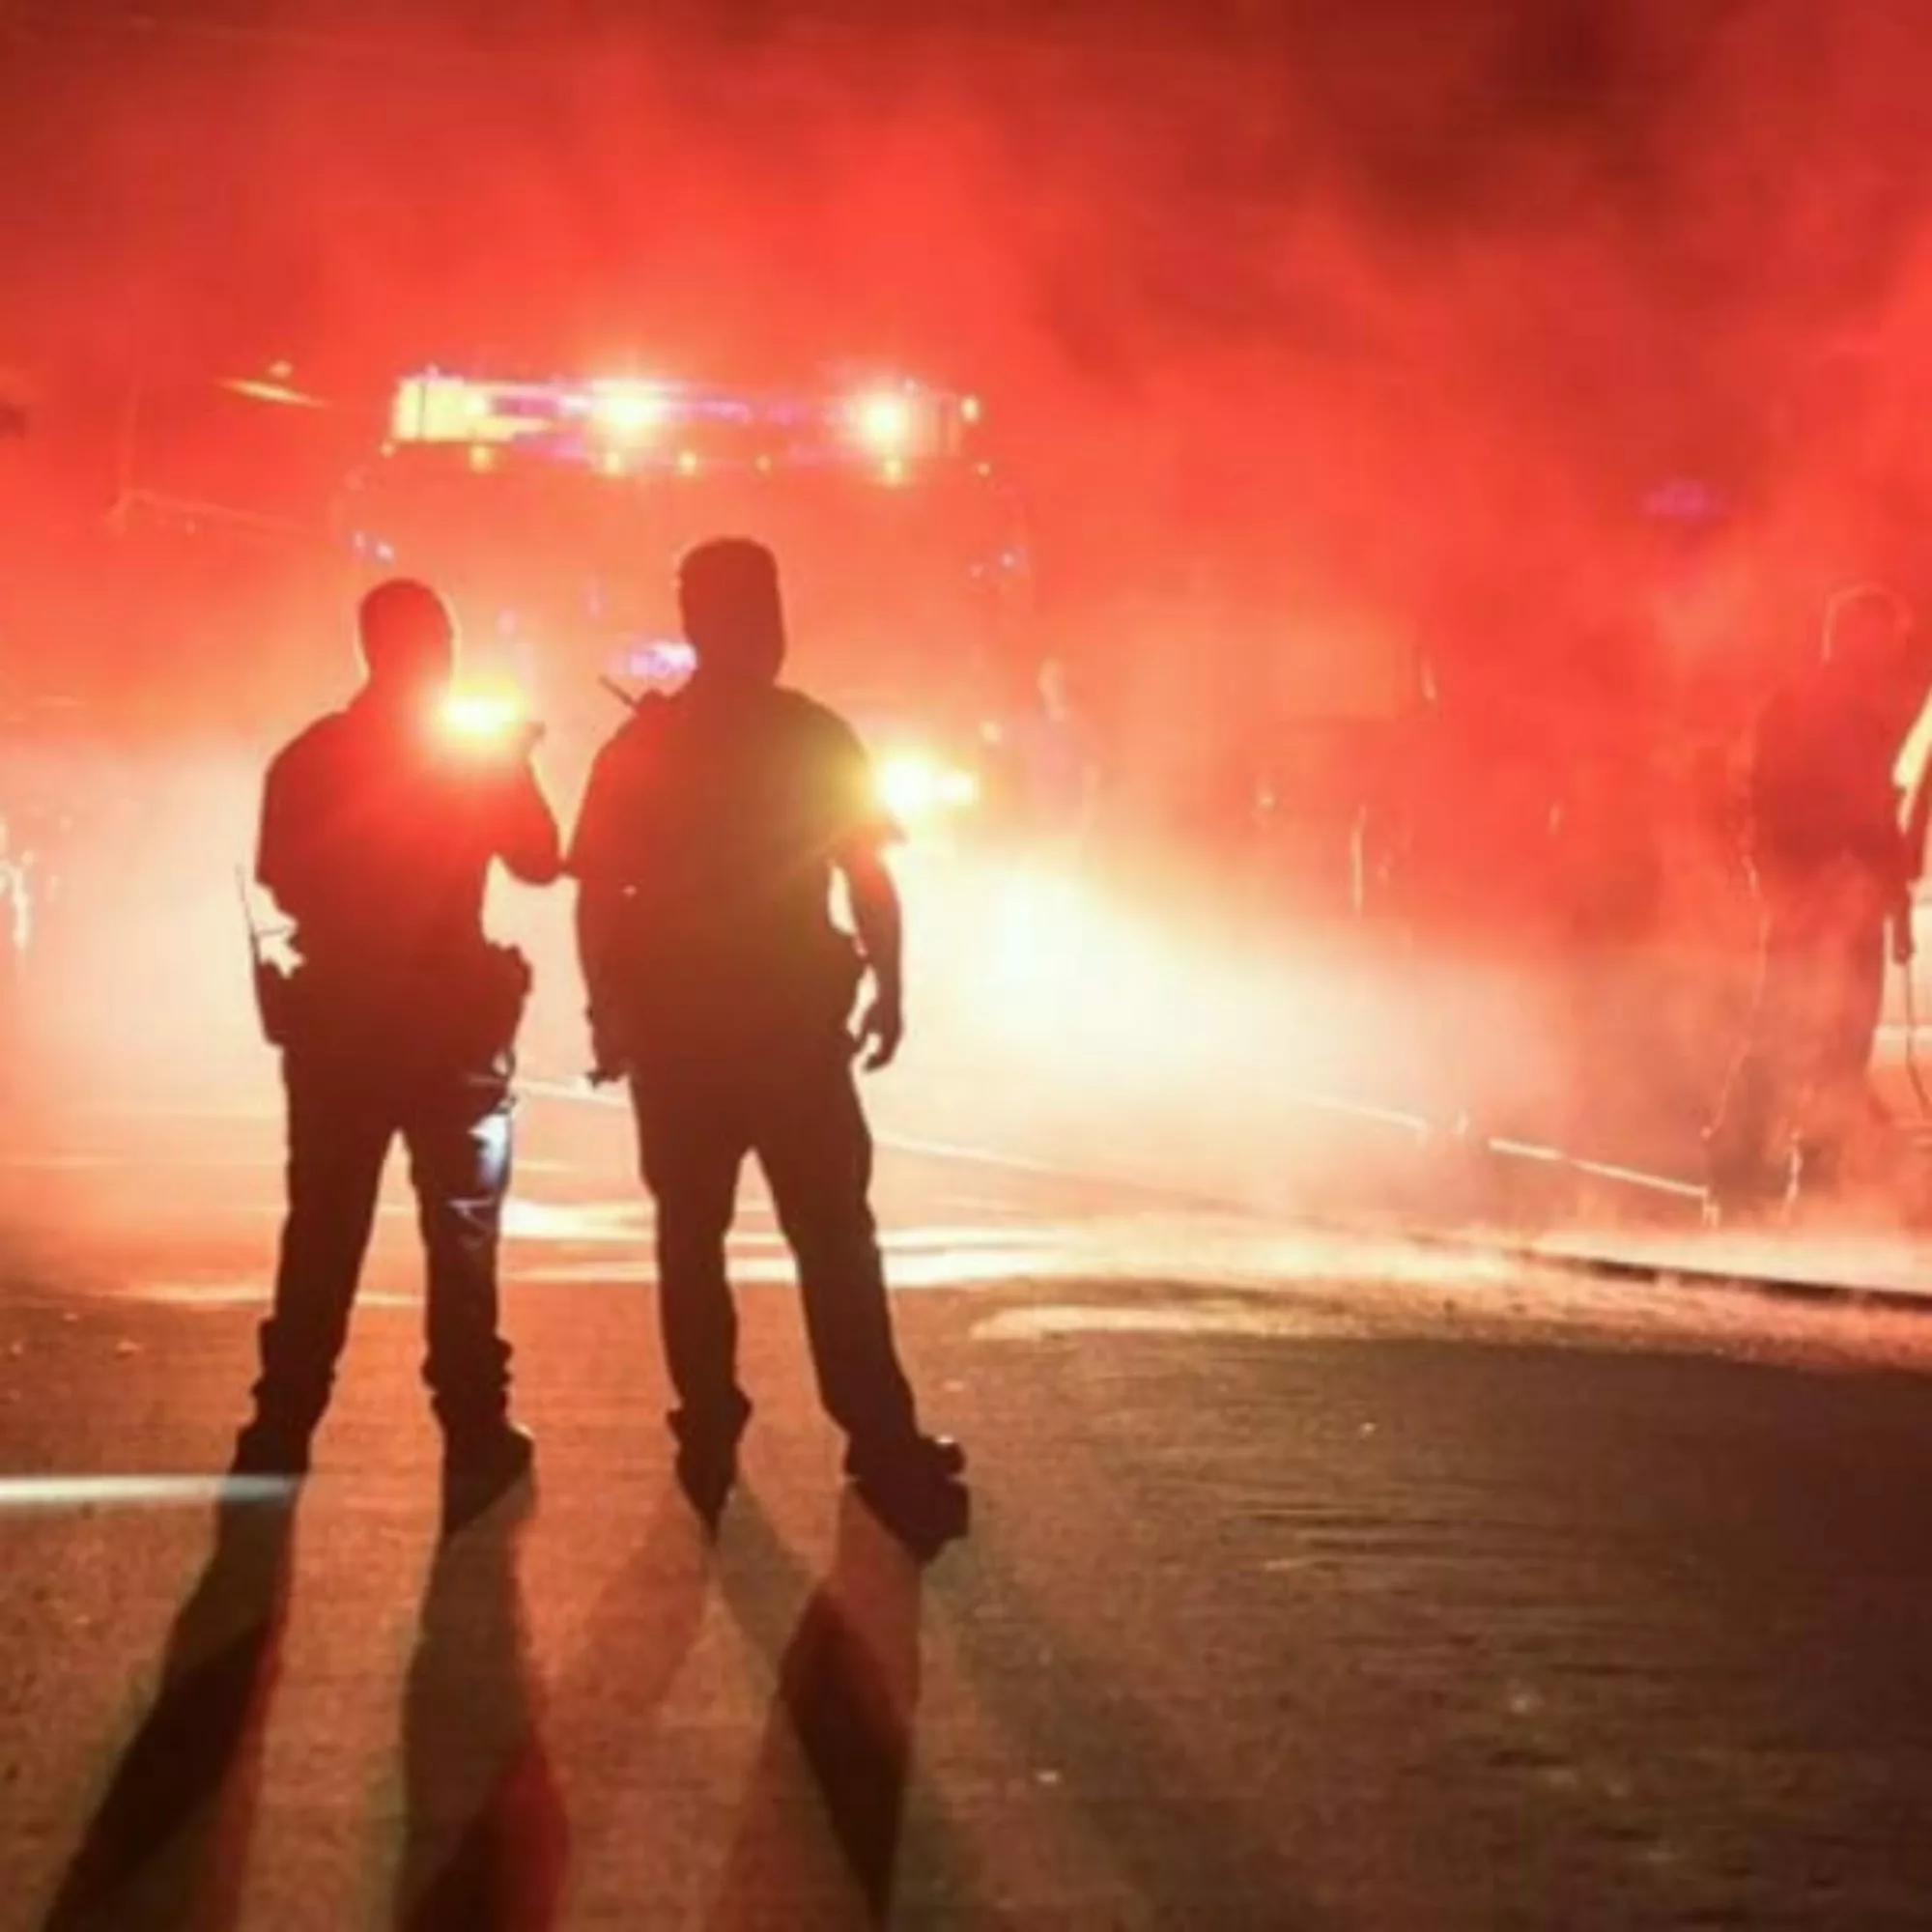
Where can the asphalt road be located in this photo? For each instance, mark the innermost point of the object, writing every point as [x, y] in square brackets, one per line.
[1313, 1581]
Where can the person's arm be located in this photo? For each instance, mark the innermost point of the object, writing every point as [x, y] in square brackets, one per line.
[527, 840]
[1782, 808]
[861, 829]
[601, 914]
[285, 845]
[880, 920]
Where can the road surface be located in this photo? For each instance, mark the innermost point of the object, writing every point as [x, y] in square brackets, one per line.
[1315, 1580]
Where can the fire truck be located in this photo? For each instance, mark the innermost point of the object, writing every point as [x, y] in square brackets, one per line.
[553, 513]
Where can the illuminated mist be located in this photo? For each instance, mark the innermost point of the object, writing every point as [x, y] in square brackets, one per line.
[1320, 338]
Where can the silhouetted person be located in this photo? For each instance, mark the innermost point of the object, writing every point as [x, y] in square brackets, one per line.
[378, 827]
[1832, 873]
[1058, 761]
[721, 986]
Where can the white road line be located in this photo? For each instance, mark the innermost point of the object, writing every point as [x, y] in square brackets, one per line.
[1283, 1320]
[162, 1110]
[243, 1295]
[580, 1092]
[52, 1493]
[977, 1157]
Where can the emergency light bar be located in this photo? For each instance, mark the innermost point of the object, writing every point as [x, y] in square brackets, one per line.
[624, 425]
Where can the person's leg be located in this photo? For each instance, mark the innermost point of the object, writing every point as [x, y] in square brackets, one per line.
[815, 1148]
[1749, 1140]
[339, 1127]
[458, 1130]
[1840, 1113]
[691, 1147]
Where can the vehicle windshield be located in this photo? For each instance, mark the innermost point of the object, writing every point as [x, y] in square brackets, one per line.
[886, 588]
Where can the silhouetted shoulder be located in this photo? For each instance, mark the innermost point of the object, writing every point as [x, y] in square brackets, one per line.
[314, 740]
[824, 754]
[811, 723]
[301, 786]
[620, 778]
[309, 756]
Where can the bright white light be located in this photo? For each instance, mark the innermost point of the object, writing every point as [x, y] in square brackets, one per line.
[627, 413]
[914, 786]
[884, 421]
[481, 718]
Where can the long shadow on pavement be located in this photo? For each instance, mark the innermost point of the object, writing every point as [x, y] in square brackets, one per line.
[846, 1701]
[169, 1842]
[488, 1841]
[627, 1659]
[1191, 1859]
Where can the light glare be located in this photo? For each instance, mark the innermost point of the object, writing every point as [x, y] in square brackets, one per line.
[481, 718]
[884, 421]
[629, 414]
[912, 787]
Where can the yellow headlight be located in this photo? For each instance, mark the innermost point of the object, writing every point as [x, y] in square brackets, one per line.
[913, 786]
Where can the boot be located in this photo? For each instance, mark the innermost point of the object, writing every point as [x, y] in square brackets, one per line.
[914, 1487]
[269, 1446]
[482, 1463]
[707, 1458]
[934, 1459]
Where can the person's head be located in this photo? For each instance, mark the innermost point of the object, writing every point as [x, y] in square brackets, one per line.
[408, 641]
[728, 593]
[1872, 644]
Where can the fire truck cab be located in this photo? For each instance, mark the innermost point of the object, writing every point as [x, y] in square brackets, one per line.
[553, 512]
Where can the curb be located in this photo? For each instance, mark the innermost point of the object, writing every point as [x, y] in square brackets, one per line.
[1795, 1288]
[1678, 1274]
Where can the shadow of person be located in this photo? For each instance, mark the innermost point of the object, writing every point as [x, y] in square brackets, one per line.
[168, 1844]
[635, 1644]
[486, 1840]
[846, 1701]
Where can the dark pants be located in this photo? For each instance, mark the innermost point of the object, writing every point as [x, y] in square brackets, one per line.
[347, 1102]
[1799, 1087]
[796, 1107]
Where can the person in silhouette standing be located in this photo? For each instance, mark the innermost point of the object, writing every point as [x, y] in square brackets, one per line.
[380, 824]
[722, 987]
[1834, 871]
